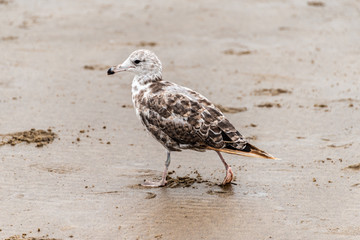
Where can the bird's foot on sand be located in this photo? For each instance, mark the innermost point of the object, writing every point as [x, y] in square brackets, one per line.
[160, 183]
[229, 176]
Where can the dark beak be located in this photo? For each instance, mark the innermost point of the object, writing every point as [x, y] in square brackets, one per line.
[110, 71]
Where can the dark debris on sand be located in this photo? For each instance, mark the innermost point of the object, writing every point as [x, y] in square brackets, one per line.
[39, 137]
[97, 67]
[238, 53]
[150, 195]
[271, 91]
[354, 167]
[24, 237]
[186, 181]
[230, 109]
[269, 105]
[315, 4]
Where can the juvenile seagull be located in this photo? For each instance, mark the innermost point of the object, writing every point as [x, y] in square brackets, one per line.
[178, 117]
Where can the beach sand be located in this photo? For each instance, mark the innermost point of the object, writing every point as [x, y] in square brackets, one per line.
[285, 72]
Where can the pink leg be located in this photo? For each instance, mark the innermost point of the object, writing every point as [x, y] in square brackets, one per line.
[162, 182]
[229, 174]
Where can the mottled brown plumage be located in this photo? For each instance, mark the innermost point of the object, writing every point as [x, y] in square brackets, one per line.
[186, 118]
[178, 117]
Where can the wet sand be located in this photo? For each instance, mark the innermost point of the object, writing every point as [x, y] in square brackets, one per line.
[286, 73]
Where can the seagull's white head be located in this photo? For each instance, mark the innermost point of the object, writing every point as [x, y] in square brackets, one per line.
[143, 63]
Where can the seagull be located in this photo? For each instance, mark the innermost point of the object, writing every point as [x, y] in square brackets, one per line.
[180, 118]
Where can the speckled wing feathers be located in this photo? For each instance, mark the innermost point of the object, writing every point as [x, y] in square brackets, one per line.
[180, 118]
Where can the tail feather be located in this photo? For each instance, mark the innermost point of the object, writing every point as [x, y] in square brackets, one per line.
[254, 152]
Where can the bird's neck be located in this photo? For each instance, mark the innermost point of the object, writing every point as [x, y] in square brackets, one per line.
[149, 78]
[141, 82]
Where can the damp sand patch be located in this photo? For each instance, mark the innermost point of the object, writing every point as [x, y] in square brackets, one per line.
[38, 137]
[230, 109]
[97, 67]
[269, 105]
[271, 91]
[24, 237]
[185, 181]
[180, 181]
[354, 166]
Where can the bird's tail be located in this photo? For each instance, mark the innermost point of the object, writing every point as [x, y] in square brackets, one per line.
[254, 152]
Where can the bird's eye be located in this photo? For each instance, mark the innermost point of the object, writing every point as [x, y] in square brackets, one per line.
[137, 61]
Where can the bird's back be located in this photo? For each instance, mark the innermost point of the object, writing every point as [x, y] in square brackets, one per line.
[181, 118]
